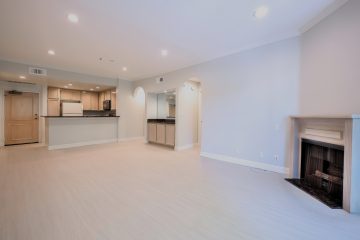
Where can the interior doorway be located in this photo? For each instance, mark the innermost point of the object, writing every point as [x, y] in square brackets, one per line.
[21, 118]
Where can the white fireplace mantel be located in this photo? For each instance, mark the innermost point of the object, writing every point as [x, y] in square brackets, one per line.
[339, 130]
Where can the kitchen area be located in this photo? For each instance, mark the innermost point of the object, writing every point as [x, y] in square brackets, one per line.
[80, 115]
[161, 118]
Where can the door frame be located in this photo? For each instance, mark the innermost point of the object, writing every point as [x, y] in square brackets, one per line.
[23, 87]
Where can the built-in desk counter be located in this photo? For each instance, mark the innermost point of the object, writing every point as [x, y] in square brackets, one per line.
[74, 131]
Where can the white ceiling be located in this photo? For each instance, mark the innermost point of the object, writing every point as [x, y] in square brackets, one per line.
[133, 32]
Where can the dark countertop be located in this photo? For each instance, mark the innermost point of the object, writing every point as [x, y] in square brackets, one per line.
[167, 121]
[81, 116]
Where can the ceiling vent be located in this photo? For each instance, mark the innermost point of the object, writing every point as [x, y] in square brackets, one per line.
[37, 71]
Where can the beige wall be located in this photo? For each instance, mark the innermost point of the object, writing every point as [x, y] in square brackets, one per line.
[330, 64]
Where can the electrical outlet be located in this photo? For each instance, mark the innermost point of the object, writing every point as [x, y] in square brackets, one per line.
[276, 157]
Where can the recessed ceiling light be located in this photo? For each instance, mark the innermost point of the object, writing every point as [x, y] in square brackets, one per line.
[261, 12]
[97, 87]
[164, 52]
[66, 86]
[91, 89]
[73, 18]
[51, 52]
[124, 69]
[22, 77]
[70, 84]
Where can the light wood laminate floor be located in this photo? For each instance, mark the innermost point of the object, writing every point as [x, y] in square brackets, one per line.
[132, 190]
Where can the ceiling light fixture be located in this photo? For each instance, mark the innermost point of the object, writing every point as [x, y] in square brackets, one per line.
[261, 12]
[22, 77]
[124, 69]
[73, 18]
[97, 87]
[164, 52]
[91, 89]
[70, 84]
[51, 52]
[66, 86]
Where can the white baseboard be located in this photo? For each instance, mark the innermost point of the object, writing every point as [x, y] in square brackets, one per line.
[180, 148]
[81, 144]
[131, 139]
[247, 163]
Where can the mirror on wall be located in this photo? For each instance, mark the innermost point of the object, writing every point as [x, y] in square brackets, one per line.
[161, 105]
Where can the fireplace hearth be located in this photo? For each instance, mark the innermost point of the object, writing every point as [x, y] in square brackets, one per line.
[321, 172]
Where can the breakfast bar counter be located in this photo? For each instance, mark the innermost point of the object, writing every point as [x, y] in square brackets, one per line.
[74, 131]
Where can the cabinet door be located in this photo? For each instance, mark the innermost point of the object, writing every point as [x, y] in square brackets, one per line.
[101, 100]
[160, 133]
[86, 100]
[108, 95]
[151, 132]
[53, 93]
[113, 100]
[53, 107]
[170, 134]
[94, 101]
[75, 95]
[65, 94]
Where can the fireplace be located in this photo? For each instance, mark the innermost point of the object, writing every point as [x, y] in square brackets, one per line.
[321, 172]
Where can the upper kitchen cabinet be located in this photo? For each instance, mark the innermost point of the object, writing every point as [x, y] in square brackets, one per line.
[113, 99]
[53, 93]
[90, 100]
[94, 101]
[70, 95]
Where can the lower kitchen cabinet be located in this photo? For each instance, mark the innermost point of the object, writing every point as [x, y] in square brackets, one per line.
[161, 133]
[170, 134]
[152, 132]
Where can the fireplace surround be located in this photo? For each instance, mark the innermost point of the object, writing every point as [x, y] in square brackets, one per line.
[325, 159]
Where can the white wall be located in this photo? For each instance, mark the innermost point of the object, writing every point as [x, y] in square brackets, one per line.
[246, 99]
[187, 97]
[330, 66]
[131, 111]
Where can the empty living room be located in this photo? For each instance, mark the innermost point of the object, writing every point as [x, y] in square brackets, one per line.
[179, 120]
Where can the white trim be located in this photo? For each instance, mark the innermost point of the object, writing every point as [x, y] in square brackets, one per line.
[131, 139]
[180, 148]
[325, 13]
[247, 163]
[81, 144]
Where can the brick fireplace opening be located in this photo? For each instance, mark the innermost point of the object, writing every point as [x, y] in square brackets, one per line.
[321, 172]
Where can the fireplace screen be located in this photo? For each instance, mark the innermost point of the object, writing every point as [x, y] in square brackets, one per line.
[321, 172]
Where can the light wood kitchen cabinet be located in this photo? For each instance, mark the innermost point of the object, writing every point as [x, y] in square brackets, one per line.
[53, 107]
[152, 132]
[107, 95]
[170, 134]
[113, 100]
[101, 100]
[70, 95]
[53, 93]
[90, 100]
[86, 100]
[160, 133]
[94, 101]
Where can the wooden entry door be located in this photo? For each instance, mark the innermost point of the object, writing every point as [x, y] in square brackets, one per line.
[21, 118]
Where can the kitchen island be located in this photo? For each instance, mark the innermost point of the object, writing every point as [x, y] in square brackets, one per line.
[74, 131]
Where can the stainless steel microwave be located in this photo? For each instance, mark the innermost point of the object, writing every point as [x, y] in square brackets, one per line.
[107, 105]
